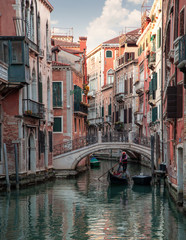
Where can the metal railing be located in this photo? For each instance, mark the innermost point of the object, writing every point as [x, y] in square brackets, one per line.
[33, 109]
[74, 144]
[89, 140]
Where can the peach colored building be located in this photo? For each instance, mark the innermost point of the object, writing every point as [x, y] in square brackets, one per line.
[26, 92]
[100, 70]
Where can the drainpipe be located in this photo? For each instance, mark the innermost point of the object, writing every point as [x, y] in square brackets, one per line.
[162, 145]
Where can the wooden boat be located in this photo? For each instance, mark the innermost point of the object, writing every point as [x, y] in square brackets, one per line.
[117, 179]
[142, 179]
[94, 162]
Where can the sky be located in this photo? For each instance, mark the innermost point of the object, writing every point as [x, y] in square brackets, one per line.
[98, 20]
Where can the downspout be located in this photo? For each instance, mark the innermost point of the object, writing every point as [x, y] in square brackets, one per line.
[162, 144]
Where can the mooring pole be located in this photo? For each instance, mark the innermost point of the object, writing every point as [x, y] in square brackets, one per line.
[16, 166]
[152, 155]
[6, 168]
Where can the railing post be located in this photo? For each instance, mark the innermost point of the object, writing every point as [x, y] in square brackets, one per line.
[99, 137]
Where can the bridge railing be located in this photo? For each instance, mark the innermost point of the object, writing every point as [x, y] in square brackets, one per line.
[74, 144]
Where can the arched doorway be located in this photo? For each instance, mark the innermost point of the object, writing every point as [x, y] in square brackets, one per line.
[31, 153]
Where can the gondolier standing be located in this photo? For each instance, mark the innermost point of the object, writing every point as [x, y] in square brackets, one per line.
[123, 162]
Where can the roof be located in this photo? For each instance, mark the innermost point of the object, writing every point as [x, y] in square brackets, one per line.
[54, 63]
[65, 44]
[73, 51]
[48, 4]
[112, 41]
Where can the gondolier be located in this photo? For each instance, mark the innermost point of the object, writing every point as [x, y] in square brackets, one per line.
[123, 162]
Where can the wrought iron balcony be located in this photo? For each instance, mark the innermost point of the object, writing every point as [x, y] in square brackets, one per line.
[33, 109]
[80, 108]
[151, 60]
[138, 118]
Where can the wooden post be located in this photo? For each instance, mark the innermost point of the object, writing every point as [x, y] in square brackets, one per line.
[16, 166]
[6, 168]
[152, 155]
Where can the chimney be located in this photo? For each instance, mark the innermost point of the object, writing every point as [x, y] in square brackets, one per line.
[83, 44]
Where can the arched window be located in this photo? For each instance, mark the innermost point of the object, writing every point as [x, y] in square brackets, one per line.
[39, 31]
[108, 54]
[110, 76]
[32, 25]
[47, 40]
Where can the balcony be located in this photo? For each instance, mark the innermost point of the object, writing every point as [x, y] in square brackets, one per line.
[14, 52]
[138, 118]
[33, 109]
[81, 108]
[182, 54]
[99, 120]
[152, 60]
[49, 57]
[139, 87]
[108, 119]
[120, 97]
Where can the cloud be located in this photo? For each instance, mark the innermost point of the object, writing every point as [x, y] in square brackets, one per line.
[54, 22]
[136, 1]
[113, 20]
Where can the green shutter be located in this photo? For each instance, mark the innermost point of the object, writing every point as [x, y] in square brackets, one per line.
[57, 94]
[159, 38]
[57, 125]
[40, 92]
[154, 114]
[154, 81]
[109, 109]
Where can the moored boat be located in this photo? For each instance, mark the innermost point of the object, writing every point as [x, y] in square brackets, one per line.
[142, 179]
[94, 162]
[114, 178]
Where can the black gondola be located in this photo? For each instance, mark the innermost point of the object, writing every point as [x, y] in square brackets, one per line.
[142, 179]
[116, 179]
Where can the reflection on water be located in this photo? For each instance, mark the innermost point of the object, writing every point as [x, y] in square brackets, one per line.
[85, 208]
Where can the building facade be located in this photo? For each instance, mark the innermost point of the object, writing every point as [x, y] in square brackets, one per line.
[26, 95]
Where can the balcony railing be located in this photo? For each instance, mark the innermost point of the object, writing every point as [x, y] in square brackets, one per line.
[151, 60]
[139, 87]
[108, 119]
[99, 120]
[80, 108]
[33, 109]
[41, 53]
[138, 118]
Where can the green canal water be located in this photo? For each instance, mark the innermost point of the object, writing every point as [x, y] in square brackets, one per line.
[85, 208]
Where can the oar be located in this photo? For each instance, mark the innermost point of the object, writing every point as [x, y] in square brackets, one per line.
[108, 170]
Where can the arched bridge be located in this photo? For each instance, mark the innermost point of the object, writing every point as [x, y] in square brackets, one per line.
[69, 154]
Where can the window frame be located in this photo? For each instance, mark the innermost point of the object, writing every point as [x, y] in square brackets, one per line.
[107, 52]
[61, 117]
[61, 94]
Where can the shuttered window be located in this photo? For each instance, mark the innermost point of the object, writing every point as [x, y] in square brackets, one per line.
[159, 38]
[58, 124]
[102, 111]
[50, 141]
[109, 109]
[109, 54]
[175, 101]
[130, 115]
[182, 23]
[154, 81]
[40, 91]
[125, 115]
[154, 114]
[57, 94]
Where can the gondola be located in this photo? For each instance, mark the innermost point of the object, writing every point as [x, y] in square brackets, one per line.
[117, 179]
[142, 179]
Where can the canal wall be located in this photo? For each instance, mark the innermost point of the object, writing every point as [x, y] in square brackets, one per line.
[27, 178]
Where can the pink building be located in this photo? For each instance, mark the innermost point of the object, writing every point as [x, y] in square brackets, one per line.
[25, 76]
[174, 23]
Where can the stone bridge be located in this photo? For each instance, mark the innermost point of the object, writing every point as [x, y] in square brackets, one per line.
[70, 159]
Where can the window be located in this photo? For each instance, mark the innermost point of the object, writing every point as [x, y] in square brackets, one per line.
[4, 51]
[159, 38]
[108, 54]
[57, 94]
[110, 76]
[50, 141]
[40, 89]
[125, 115]
[75, 125]
[58, 124]
[79, 125]
[17, 55]
[130, 115]
[182, 23]
[126, 85]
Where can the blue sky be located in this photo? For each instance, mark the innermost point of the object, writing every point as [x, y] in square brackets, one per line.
[98, 20]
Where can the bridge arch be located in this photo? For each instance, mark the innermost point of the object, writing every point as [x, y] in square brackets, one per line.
[70, 160]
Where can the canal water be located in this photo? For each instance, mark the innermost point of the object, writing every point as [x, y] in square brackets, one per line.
[85, 208]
